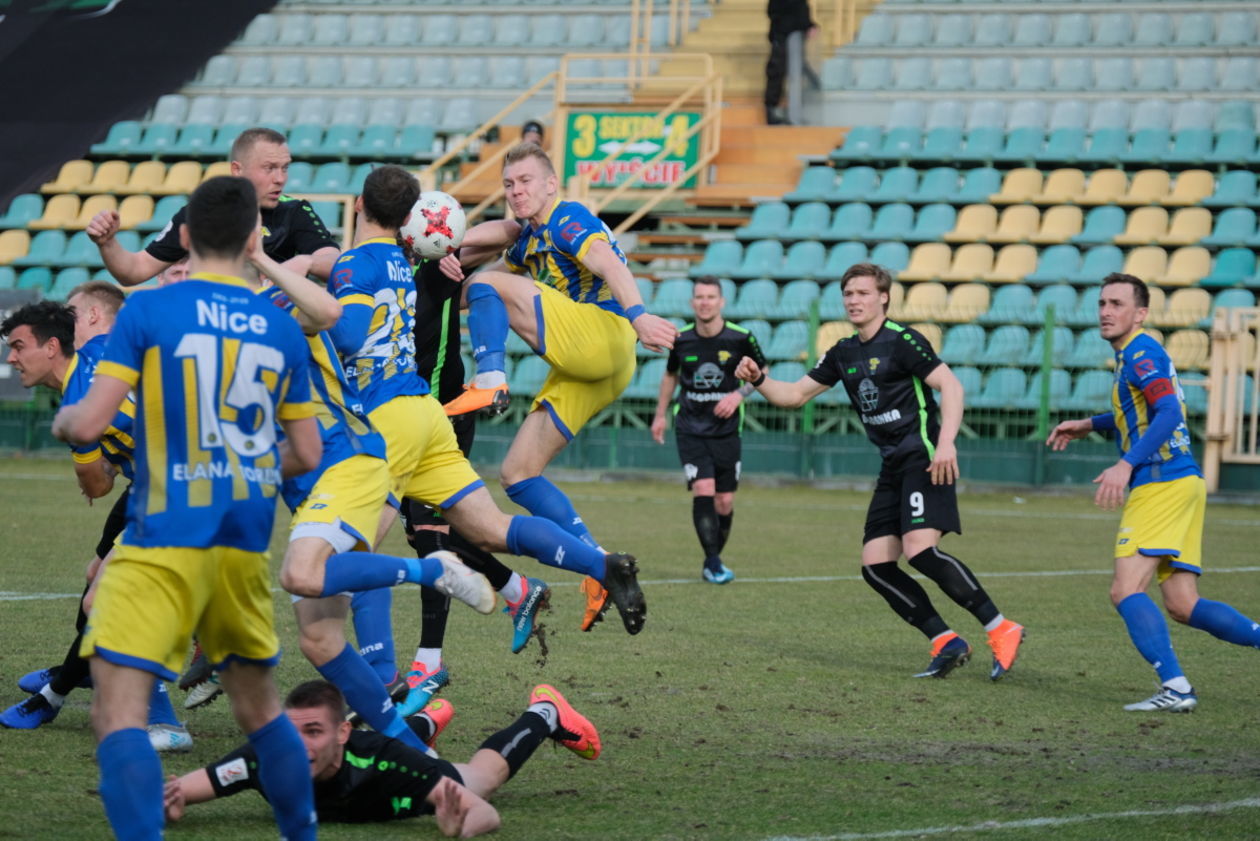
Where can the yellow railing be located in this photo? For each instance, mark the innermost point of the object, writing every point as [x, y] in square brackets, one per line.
[844, 23]
[1233, 419]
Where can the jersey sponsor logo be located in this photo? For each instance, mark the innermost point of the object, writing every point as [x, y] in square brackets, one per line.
[1144, 367]
[872, 363]
[236, 771]
[868, 395]
[266, 232]
[723, 356]
[571, 231]
[340, 279]
[705, 396]
[217, 315]
[882, 417]
[223, 470]
[707, 376]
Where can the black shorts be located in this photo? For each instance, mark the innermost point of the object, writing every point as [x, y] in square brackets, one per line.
[710, 458]
[114, 524]
[905, 499]
[417, 514]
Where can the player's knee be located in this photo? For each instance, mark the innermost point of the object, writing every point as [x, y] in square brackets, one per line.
[1120, 590]
[1179, 609]
[321, 643]
[300, 581]
[724, 503]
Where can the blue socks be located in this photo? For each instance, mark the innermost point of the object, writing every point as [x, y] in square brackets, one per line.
[1149, 632]
[131, 785]
[359, 571]
[487, 327]
[374, 631]
[540, 497]
[1224, 622]
[160, 709]
[551, 545]
[285, 775]
[366, 695]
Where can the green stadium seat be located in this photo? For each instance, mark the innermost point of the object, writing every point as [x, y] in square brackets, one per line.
[359, 176]
[331, 178]
[854, 184]
[1158, 73]
[1011, 303]
[797, 296]
[769, 219]
[1063, 146]
[938, 184]
[876, 31]
[939, 144]
[790, 342]
[1056, 264]
[894, 256]
[1060, 389]
[22, 210]
[1023, 145]
[1154, 29]
[67, 280]
[721, 259]
[754, 299]
[803, 260]
[306, 140]
[1235, 226]
[646, 289]
[529, 373]
[1236, 29]
[839, 259]
[646, 384]
[895, 185]
[39, 278]
[1195, 29]
[1190, 146]
[1106, 145]
[981, 146]
[194, 141]
[809, 221]
[330, 213]
[815, 184]
[1149, 144]
[1233, 146]
[1003, 388]
[224, 137]
[892, 222]
[416, 141]
[849, 222]
[122, 139]
[962, 344]
[874, 74]
[860, 144]
[1091, 351]
[761, 259]
[1235, 114]
[45, 250]
[162, 213]
[1004, 345]
[79, 251]
[1233, 267]
[1086, 312]
[338, 141]
[673, 296]
[1102, 225]
[931, 223]
[158, 139]
[900, 143]
[978, 184]
[8, 277]
[1064, 343]
[377, 141]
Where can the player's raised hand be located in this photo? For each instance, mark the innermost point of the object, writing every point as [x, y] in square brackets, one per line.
[944, 466]
[747, 369]
[1068, 431]
[728, 405]
[103, 226]
[449, 808]
[1112, 483]
[656, 333]
[451, 267]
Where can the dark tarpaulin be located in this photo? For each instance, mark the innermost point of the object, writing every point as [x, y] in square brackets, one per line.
[69, 69]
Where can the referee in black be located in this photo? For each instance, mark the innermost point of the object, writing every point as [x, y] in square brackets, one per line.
[890, 372]
[709, 416]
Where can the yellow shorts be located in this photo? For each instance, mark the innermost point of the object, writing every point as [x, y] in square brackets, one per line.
[1165, 520]
[425, 461]
[591, 354]
[350, 495]
[152, 600]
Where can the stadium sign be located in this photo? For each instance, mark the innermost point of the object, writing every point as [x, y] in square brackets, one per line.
[594, 135]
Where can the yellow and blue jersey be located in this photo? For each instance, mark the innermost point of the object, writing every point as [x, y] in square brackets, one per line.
[213, 367]
[117, 444]
[343, 423]
[552, 254]
[1144, 376]
[376, 332]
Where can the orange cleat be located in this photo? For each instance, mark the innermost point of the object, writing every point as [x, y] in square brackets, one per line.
[596, 602]
[1005, 640]
[488, 401]
[440, 712]
[574, 731]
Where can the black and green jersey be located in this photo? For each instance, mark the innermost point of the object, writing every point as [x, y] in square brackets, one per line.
[380, 779]
[884, 379]
[705, 366]
[437, 331]
[290, 228]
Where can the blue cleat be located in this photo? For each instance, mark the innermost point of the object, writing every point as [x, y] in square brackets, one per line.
[947, 655]
[31, 713]
[537, 596]
[32, 682]
[721, 575]
[424, 685]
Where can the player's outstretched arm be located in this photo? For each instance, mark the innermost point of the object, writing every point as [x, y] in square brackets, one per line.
[128, 268]
[302, 447]
[319, 263]
[656, 333]
[778, 392]
[669, 382]
[85, 422]
[1068, 431]
[193, 787]
[460, 813]
[94, 479]
[316, 309]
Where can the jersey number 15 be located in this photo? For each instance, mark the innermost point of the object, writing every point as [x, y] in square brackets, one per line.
[247, 397]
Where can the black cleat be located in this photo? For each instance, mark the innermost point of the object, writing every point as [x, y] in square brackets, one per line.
[621, 581]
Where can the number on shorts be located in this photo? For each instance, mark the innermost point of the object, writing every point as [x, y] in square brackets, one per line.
[916, 504]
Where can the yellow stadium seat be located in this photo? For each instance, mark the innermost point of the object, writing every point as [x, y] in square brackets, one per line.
[967, 302]
[1149, 186]
[1187, 226]
[1157, 335]
[59, 212]
[1157, 306]
[830, 333]
[1013, 264]
[1062, 185]
[896, 296]
[73, 175]
[924, 302]
[1147, 263]
[1248, 352]
[975, 222]
[181, 178]
[1188, 349]
[1191, 187]
[217, 168]
[91, 206]
[1186, 267]
[931, 332]
[146, 178]
[134, 210]
[971, 262]
[1017, 223]
[1186, 307]
[1144, 226]
[13, 244]
[927, 262]
[110, 177]
[1105, 186]
[1058, 224]
[1019, 186]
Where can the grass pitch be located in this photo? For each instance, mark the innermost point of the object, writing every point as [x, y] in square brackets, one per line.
[778, 706]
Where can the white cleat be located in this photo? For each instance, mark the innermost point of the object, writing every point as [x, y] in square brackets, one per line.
[1166, 700]
[203, 693]
[460, 582]
[169, 737]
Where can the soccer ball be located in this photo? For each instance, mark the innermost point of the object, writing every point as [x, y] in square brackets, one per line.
[436, 226]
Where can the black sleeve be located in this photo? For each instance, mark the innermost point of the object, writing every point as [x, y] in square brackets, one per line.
[309, 232]
[234, 773]
[914, 353]
[166, 247]
[674, 362]
[753, 348]
[827, 371]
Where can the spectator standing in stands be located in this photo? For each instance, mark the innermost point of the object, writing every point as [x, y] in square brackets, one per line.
[786, 17]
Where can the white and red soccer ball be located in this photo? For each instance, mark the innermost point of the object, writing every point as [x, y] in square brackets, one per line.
[436, 227]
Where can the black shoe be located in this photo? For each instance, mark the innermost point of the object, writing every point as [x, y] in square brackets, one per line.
[621, 581]
[198, 671]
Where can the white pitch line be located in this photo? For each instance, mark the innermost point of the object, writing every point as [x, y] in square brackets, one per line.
[16, 596]
[1029, 823]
